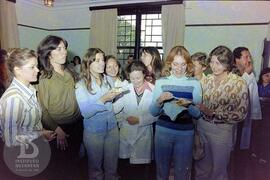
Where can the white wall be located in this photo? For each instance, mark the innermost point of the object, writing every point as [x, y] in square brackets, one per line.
[197, 38]
[206, 38]
[70, 24]
[78, 41]
[63, 20]
[213, 12]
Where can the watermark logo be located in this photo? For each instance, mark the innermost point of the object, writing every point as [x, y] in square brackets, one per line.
[23, 154]
[28, 159]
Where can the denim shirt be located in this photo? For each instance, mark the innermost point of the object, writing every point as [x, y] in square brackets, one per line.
[98, 117]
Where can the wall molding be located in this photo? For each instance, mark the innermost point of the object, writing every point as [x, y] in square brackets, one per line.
[60, 29]
[229, 24]
[187, 25]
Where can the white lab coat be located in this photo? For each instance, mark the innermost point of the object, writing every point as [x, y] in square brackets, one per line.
[136, 141]
[254, 113]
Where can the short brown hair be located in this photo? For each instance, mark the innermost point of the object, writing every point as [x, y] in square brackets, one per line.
[224, 56]
[201, 58]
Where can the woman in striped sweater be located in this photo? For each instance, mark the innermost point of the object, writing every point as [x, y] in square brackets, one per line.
[173, 101]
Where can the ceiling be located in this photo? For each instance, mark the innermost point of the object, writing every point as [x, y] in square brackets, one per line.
[70, 3]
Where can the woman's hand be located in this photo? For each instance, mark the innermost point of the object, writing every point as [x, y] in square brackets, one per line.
[205, 110]
[163, 97]
[61, 138]
[48, 135]
[132, 120]
[110, 95]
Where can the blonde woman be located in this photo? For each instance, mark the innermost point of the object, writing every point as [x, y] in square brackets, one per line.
[20, 111]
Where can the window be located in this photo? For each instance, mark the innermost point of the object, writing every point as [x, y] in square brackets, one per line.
[138, 28]
[151, 30]
[126, 31]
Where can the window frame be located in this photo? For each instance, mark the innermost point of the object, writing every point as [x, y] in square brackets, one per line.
[138, 11]
[142, 8]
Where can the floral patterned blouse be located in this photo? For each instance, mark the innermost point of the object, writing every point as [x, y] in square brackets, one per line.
[229, 100]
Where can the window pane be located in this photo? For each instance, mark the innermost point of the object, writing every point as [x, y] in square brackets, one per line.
[148, 39]
[148, 22]
[152, 16]
[121, 31]
[157, 38]
[128, 23]
[148, 31]
[151, 34]
[142, 35]
[123, 54]
[157, 22]
[143, 25]
[156, 30]
[151, 44]
[125, 35]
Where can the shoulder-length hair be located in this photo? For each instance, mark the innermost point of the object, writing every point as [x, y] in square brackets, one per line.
[224, 56]
[263, 72]
[120, 70]
[88, 59]
[180, 51]
[156, 62]
[45, 47]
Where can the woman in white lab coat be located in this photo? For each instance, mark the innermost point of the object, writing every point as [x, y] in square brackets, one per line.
[136, 132]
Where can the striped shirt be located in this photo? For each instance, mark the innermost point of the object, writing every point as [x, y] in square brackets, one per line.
[183, 87]
[20, 114]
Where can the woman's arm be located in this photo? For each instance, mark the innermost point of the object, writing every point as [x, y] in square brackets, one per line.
[44, 98]
[89, 104]
[156, 105]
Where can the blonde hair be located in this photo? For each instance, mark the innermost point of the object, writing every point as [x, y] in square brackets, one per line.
[18, 57]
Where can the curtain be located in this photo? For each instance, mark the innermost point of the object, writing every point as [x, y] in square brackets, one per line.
[268, 32]
[266, 53]
[173, 26]
[103, 30]
[266, 50]
[9, 35]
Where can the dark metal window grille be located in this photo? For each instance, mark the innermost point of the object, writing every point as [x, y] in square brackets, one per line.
[138, 30]
[151, 31]
[126, 36]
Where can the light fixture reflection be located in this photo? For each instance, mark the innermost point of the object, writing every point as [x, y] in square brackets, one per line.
[48, 3]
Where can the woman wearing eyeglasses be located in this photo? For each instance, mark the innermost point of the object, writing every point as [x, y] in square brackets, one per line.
[20, 111]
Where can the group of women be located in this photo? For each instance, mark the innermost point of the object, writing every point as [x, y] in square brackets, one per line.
[113, 118]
